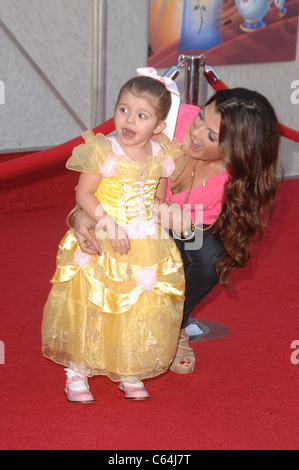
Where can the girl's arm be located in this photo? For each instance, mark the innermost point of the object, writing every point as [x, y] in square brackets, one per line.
[86, 199]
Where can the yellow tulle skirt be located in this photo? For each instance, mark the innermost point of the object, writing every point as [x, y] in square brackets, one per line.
[115, 315]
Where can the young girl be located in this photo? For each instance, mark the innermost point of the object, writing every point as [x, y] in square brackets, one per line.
[119, 313]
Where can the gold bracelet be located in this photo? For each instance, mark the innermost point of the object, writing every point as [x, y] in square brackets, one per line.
[71, 215]
[186, 234]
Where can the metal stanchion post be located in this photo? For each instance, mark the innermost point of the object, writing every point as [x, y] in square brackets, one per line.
[195, 83]
[195, 80]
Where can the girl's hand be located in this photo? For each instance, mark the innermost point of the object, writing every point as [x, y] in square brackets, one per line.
[116, 234]
[118, 238]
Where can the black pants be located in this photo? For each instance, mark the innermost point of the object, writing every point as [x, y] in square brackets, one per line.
[200, 271]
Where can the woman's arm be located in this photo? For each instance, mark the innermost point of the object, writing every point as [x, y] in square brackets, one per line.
[82, 225]
[161, 190]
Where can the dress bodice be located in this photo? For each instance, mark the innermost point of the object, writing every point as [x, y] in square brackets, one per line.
[127, 187]
[127, 199]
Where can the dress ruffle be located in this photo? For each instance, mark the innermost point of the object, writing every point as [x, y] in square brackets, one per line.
[91, 156]
[87, 157]
[174, 148]
[113, 285]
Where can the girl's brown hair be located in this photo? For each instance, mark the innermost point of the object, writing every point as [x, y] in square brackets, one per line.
[248, 143]
[151, 89]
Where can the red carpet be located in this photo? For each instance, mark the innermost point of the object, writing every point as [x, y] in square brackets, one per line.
[243, 393]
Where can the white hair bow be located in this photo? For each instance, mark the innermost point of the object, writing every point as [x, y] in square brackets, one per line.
[175, 97]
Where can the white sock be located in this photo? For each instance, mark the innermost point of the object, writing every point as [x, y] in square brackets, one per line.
[79, 384]
[132, 384]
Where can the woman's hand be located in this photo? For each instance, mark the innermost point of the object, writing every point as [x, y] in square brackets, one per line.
[171, 216]
[82, 224]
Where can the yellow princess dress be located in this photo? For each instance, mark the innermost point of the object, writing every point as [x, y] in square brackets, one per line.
[118, 315]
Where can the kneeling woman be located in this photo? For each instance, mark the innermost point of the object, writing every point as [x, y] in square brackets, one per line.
[231, 157]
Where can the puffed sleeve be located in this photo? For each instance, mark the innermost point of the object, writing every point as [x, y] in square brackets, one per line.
[173, 150]
[88, 157]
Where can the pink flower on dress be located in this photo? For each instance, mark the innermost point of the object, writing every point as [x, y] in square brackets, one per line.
[146, 279]
[140, 228]
[82, 259]
[168, 167]
[109, 168]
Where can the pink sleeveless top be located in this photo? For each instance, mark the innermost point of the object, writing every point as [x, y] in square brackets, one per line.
[203, 206]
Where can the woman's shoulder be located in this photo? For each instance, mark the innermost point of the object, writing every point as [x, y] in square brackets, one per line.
[187, 111]
[188, 108]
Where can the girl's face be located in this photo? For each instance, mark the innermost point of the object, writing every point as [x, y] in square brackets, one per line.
[135, 120]
[201, 141]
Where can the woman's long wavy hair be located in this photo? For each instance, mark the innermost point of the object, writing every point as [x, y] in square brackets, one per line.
[248, 143]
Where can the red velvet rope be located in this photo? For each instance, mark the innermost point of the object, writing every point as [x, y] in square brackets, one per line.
[48, 157]
[59, 153]
[285, 131]
[219, 85]
[289, 133]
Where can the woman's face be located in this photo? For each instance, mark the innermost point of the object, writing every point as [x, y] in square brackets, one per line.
[201, 141]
